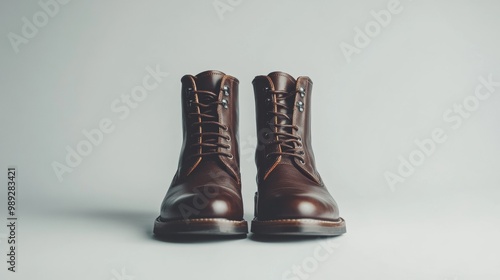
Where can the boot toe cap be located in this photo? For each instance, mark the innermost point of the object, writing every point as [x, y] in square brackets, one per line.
[205, 202]
[298, 206]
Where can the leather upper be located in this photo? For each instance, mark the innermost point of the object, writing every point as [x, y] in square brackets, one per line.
[289, 186]
[207, 183]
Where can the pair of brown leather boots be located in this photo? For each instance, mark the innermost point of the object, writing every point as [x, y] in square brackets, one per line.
[205, 194]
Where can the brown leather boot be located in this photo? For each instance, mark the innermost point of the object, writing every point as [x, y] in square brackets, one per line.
[205, 194]
[291, 197]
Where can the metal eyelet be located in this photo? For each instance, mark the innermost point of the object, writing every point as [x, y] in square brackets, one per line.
[230, 156]
[300, 106]
[225, 128]
[189, 101]
[302, 161]
[226, 90]
[302, 92]
[228, 147]
[225, 103]
[228, 138]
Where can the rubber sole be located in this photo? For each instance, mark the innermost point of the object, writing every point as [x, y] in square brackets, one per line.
[202, 226]
[299, 227]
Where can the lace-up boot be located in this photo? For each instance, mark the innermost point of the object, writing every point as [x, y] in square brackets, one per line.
[205, 194]
[291, 197]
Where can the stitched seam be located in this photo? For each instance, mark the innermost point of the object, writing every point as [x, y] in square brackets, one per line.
[199, 138]
[302, 220]
[272, 167]
[203, 220]
[278, 160]
[220, 111]
[282, 75]
[313, 175]
[219, 74]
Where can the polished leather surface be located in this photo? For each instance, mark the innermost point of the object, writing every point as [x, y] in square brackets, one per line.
[289, 186]
[207, 183]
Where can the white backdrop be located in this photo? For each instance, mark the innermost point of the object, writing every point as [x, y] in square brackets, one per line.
[405, 132]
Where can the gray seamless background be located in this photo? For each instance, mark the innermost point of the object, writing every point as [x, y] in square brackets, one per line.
[442, 222]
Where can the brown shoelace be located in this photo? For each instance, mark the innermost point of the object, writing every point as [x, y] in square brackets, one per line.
[290, 144]
[204, 104]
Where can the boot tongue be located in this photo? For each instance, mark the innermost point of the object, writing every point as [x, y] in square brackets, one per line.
[286, 83]
[282, 81]
[209, 80]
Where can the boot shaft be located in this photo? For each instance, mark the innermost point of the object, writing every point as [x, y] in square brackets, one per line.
[210, 122]
[283, 110]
